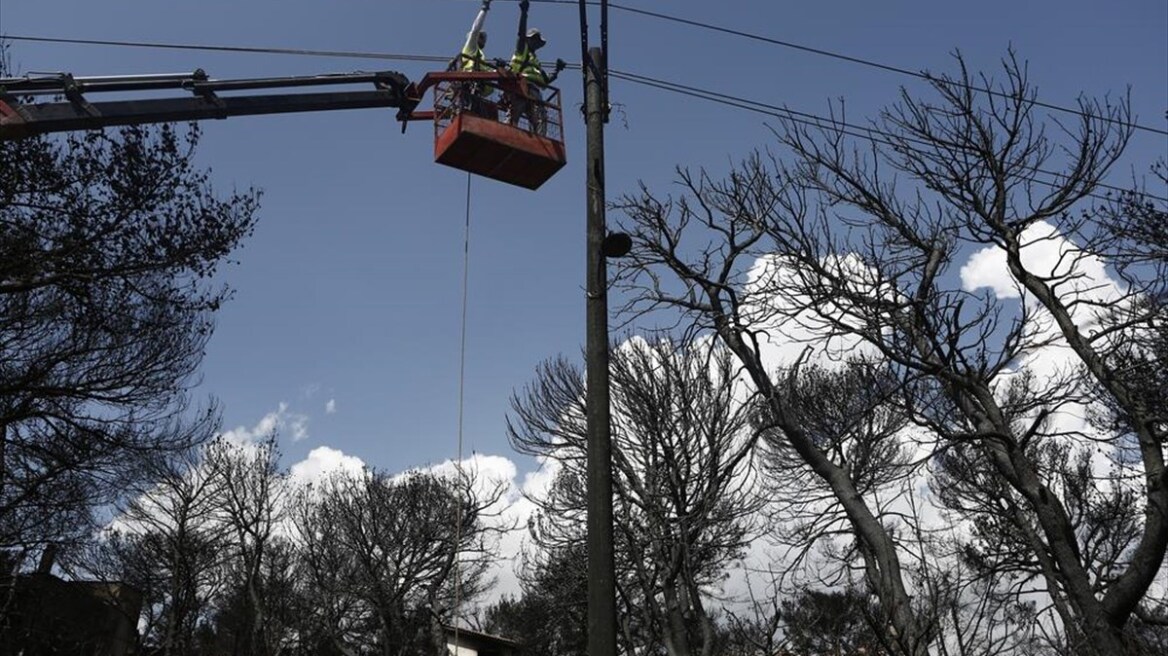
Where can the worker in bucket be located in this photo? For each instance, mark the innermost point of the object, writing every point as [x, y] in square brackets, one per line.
[472, 59]
[526, 64]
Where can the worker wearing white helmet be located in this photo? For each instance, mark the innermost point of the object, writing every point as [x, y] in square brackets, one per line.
[472, 94]
[524, 61]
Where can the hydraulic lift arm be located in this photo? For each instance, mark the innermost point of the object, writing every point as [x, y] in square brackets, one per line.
[67, 108]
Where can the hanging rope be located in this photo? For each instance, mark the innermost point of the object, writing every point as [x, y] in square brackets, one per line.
[461, 396]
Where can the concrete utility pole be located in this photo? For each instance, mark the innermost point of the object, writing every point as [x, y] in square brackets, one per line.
[601, 565]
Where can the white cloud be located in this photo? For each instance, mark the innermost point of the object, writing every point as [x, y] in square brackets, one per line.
[1046, 253]
[791, 334]
[330, 407]
[537, 483]
[510, 512]
[790, 330]
[987, 268]
[1081, 280]
[298, 426]
[490, 473]
[320, 462]
[281, 420]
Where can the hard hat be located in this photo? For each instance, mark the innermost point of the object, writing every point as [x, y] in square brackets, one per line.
[533, 33]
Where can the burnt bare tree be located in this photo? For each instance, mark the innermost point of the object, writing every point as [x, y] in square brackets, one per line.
[169, 541]
[838, 623]
[394, 557]
[847, 411]
[862, 244]
[683, 489]
[250, 505]
[107, 242]
[550, 617]
[131, 559]
[232, 626]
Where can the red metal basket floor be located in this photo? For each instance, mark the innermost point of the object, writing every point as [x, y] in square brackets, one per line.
[498, 151]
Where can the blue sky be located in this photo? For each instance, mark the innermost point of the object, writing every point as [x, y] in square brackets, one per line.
[350, 289]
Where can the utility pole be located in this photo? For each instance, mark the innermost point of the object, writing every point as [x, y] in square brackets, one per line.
[601, 245]
[602, 585]
[601, 563]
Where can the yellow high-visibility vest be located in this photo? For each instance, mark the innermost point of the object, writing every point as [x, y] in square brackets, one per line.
[473, 60]
[527, 64]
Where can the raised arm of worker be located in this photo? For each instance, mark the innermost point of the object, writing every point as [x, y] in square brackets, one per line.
[521, 42]
[471, 47]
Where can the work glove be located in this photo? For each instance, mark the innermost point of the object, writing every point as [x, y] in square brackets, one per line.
[523, 5]
[486, 5]
[561, 65]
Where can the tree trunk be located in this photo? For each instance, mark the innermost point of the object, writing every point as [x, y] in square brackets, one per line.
[879, 552]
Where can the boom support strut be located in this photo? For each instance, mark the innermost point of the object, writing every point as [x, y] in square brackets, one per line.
[21, 115]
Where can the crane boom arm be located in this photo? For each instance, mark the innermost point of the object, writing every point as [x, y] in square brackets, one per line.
[21, 115]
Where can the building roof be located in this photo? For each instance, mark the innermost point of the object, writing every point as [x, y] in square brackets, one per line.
[479, 639]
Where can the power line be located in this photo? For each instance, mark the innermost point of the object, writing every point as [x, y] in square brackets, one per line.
[632, 10]
[805, 118]
[665, 17]
[869, 63]
[814, 120]
[347, 54]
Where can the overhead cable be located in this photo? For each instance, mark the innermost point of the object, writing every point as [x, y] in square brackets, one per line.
[741, 103]
[816, 121]
[866, 62]
[685, 21]
[633, 10]
[347, 54]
